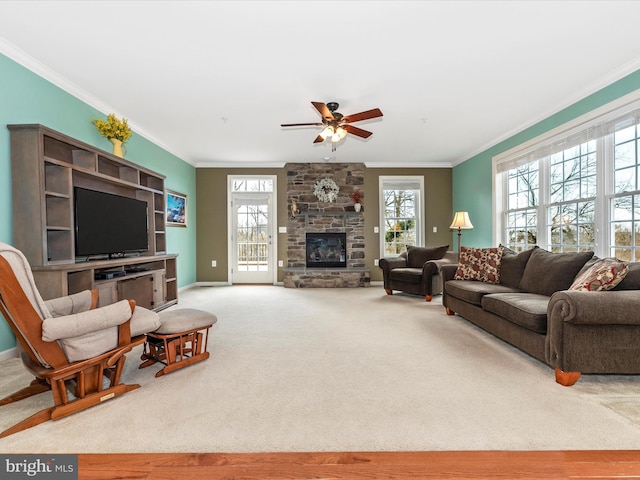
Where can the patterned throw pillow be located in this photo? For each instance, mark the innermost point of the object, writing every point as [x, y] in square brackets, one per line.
[482, 264]
[605, 274]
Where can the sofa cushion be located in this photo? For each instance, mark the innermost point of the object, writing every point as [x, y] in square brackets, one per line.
[528, 310]
[632, 279]
[482, 264]
[418, 256]
[548, 272]
[406, 274]
[512, 266]
[605, 274]
[472, 292]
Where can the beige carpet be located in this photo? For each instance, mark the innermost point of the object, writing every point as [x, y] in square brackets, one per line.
[339, 370]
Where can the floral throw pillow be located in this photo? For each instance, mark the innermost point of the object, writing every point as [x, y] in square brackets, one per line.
[605, 274]
[481, 264]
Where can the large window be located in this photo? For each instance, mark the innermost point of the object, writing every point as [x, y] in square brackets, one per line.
[402, 222]
[575, 191]
[625, 202]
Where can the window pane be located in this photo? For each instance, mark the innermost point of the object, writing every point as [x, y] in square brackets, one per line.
[625, 180]
[624, 155]
[400, 220]
[625, 134]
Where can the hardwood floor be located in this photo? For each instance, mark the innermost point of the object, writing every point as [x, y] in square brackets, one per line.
[366, 465]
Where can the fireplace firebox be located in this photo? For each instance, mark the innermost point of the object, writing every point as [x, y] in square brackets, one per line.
[326, 250]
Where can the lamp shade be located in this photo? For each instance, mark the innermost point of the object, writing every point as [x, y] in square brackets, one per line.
[461, 220]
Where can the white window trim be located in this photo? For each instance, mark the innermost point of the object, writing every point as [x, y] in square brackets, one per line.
[420, 230]
[606, 112]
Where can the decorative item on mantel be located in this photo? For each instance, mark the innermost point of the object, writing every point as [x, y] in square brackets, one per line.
[294, 209]
[356, 196]
[326, 190]
[116, 131]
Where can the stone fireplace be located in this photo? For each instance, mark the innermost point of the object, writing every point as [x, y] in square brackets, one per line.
[317, 217]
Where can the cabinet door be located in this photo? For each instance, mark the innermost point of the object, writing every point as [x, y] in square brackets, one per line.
[107, 293]
[159, 294]
[139, 289]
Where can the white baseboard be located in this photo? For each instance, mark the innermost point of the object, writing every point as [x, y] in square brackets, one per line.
[7, 354]
[210, 284]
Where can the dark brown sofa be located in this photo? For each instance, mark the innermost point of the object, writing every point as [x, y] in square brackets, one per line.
[531, 308]
[416, 271]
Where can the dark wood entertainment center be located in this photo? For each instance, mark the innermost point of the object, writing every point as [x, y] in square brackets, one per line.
[46, 166]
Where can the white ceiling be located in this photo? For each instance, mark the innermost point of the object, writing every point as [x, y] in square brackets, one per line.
[211, 81]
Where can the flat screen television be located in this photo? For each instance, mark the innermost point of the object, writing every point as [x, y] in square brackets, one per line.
[108, 224]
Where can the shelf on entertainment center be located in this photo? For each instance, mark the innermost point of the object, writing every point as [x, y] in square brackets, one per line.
[156, 278]
[46, 166]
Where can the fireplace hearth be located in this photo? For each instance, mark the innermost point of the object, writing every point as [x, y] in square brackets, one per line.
[326, 250]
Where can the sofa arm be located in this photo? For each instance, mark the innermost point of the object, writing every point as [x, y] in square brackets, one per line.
[447, 272]
[442, 262]
[595, 308]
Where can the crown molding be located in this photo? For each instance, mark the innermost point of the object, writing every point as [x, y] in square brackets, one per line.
[33, 65]
[608, 79]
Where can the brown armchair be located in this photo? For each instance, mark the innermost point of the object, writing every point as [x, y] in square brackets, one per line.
[67, 343]
[416, 271]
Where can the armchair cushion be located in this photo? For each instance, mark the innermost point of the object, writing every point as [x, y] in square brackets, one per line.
[418, 256]
[408, 275]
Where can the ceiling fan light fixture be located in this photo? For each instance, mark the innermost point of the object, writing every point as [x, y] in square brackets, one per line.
[327, 132]
[339, 134]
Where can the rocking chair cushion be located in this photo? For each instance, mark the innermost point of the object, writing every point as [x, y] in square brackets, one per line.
[78, 302]
[87, 334]
[143, 321]
[69, 326]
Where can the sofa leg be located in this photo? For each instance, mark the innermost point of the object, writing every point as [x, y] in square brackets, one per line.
[428, 298]
[389, 291]
[449, 311]
[566, 378]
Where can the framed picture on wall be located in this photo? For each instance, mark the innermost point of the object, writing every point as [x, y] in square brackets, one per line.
[176, 209]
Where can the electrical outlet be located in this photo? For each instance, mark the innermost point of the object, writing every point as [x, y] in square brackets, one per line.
[214, 263]
[282, 229]
[280, 263]
[435, 229]
[376, 230]
[375, 262]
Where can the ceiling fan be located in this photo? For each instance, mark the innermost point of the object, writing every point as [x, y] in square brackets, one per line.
[336, 126]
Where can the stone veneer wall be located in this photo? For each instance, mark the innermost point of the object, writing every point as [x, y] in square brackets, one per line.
[316, 216]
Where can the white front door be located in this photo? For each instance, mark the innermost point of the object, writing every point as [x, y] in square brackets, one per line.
[252, 238]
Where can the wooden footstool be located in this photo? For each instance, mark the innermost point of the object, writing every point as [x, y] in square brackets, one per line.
[179, 342]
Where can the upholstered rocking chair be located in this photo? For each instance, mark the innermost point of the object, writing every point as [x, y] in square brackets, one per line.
[67, 344]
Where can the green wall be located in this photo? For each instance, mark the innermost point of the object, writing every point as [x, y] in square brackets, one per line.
[28, 98]
[472, 182]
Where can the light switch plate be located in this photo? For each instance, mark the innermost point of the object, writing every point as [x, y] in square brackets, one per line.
[282, 229]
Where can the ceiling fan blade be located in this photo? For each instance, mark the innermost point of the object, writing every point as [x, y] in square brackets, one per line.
[357, 131]
[301, 124]
[358, 117]
[324, 111]
[318, 139]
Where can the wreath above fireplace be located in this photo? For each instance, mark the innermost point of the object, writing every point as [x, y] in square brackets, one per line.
[326, 190]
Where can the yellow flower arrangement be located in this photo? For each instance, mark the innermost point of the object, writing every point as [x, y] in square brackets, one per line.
[113, 128]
